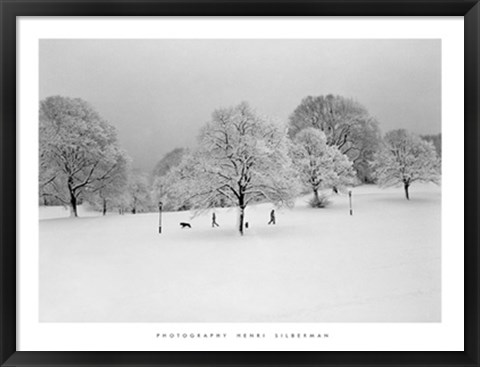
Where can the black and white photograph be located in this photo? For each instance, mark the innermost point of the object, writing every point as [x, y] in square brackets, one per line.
[240, 181]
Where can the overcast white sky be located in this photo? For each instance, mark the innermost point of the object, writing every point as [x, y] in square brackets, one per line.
[159, 92]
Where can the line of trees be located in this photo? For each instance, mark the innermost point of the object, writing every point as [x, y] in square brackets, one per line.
[329, 142]
[399, 158]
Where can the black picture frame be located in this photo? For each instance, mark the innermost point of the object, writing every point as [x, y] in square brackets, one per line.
[10, 10]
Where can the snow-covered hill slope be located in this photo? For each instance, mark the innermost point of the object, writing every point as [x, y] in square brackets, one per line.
[315, 265]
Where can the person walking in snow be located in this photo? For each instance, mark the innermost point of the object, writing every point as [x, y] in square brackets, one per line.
[272, 217]
[214, 220]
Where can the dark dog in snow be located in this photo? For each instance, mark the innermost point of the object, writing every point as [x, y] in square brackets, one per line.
[185, 225]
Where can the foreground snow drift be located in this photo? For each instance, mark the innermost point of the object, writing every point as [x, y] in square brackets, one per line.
[314, 265]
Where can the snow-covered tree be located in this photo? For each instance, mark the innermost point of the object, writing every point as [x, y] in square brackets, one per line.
[318, 164]
[346, 124]
[160, 183]
[436, 140]
[242, 158]
[109, 194]
[405, 158]
[79, 152]
[168, 161]
[139, 193]
[121, 202]
[163, 189]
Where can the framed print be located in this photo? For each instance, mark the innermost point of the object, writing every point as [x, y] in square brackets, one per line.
[225, 183]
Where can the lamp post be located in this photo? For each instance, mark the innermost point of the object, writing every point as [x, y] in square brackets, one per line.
[350, 198]
[160, 205]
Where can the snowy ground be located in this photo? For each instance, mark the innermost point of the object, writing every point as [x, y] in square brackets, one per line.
[315, 265]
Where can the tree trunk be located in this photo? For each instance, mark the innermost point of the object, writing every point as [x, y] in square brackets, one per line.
[240, 222]
[406, 186]
[73, 205]
[241, 205]
[315, 195]
[104, 206]
[73, 198]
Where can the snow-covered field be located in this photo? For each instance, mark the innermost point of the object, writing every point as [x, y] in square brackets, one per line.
[315, 265]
